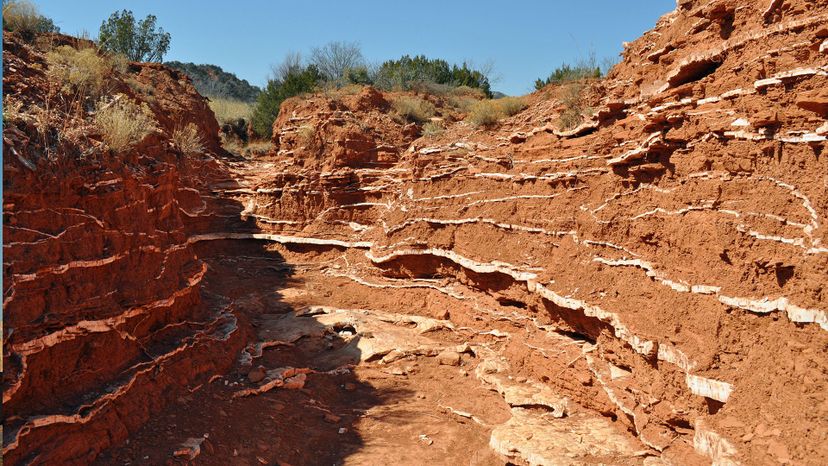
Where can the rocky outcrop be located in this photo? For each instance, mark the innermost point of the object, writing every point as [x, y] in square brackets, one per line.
[682, 237]
[105, 322]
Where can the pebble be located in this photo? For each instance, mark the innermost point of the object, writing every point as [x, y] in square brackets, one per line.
[256, 375]
[332, 418]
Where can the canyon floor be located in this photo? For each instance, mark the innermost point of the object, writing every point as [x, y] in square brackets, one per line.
[356, 374]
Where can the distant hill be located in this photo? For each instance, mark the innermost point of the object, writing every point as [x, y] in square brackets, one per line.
[212, 81]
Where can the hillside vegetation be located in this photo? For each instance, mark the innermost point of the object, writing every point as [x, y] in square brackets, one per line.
[213, 81]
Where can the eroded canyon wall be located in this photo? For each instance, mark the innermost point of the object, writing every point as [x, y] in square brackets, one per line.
[680, 231]
[104, 321]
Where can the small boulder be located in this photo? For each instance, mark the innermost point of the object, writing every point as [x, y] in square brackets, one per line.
[256, 375]
[189, 449]
[765, 118]
[296, 382]
[449, 358]
[517, 138]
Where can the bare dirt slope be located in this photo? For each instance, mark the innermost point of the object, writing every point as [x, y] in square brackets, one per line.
[646, 288]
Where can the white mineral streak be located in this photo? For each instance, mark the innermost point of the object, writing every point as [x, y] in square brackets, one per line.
[699, 386]
[283, 239]
[714, 446]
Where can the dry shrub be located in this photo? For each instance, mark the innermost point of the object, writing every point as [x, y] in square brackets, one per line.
[462, 103]
[123, 123]
[466, 91]
[119, 62]
[571, 97]
[413, 109]
[12, 110]
[20, 16]
[230, 110]
[484, 113]
[83, 72]
[306, 135]
[433, 128]
[188, 140]
[336, 91]
[489, 112]
[510, 105]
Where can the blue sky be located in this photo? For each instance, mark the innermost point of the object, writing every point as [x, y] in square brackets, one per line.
[524, 39]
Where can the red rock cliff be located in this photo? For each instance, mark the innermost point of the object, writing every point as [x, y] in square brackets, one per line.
[104, 320]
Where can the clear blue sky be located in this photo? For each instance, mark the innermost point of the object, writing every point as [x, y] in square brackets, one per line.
[524, 39]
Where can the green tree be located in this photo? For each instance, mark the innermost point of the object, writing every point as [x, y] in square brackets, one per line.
[295, 82]
[465, 76]
[407, 72]
[565, 73]
[138, 41]
[358, 75]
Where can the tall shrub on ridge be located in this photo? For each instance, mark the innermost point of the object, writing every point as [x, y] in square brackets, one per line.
[138, 41]
[277, 90]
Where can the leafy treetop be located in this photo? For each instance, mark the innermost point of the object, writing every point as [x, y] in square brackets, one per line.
[138, 41]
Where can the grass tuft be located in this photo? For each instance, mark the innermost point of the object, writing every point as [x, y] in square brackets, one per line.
[432, 128]
[230, 110]
[489, 112]
[82, 72]
[413, 109]
[575, 110]
[188, 139]
[123, 123]
[306, 135]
